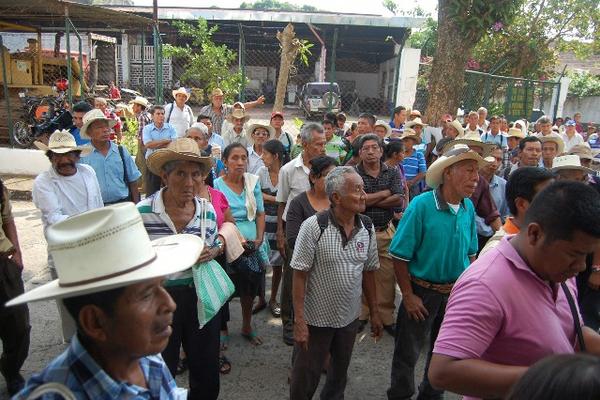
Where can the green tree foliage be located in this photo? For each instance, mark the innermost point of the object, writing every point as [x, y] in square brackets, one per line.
[584, 84]
[276, 5]
[207, 65]
[425, 38]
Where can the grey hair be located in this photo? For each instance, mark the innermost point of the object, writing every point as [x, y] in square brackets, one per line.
[544, 120]
[307, 131]
[198, 126]
[367, 137]
[336, 179]
[482, 109]
[170, 166]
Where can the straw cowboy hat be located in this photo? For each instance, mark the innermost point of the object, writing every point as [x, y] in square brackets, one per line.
[583, 151]
[471, 139]
[388, 128]
[516, 133]
[457, 153]
[78, 246]
[554, 139]
[142, 101]
[62, 142]
[570, 161]
[238, 113]
[415, 112]
[181, 90]
[182, 149]
[411, 134]
[416, 121]
[93, 116]
[269, 129]
[459, 128]
[216, 92]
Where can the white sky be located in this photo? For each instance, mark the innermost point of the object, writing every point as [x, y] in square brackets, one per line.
[350, 6]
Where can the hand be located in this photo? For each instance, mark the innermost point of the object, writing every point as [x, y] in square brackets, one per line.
[257, 243]
[281, 243]
[414, 307]
[594, 280]
[208, 253]
[17, 258]
[301, 333]
[376, 326]
[261, 99]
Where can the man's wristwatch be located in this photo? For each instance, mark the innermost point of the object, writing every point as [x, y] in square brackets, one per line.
[220, 246]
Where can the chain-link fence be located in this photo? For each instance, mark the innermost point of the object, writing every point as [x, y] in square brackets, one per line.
[515, 98]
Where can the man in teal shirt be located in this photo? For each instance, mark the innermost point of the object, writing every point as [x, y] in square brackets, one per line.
[435, 242]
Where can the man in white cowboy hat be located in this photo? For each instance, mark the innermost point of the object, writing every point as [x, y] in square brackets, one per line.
[218, 111]
[382, 129]
[258, 135]
[235, 132]
[568, 167]
[115, 170]
[179, 114]
[123, 312]
[435, 242]
[552, 147]
[101, 104]
[156, 135]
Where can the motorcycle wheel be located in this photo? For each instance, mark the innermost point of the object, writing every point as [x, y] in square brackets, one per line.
[22, 134]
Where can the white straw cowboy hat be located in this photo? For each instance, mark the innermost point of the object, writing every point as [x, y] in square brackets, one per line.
[416, 121]
[239, 114]
[388, 128]
[107, 248]
[181, 90]
[459, 128]
[459, 152]
[411, 134]
[471, 139]
[62, 142]
[583, 151]
[516, 133]
[560, 144]
[182, 149]
[216, 92]
[93, 116]
[570, 161]
[142, 101]
[250, 130]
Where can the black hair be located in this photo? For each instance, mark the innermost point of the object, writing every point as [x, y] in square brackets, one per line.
[82, 106]
[328, 121]
[353, 126]
[399, 109]
[156, 107]
[393, 147]
[494, 117]
[320, 164]
[369, 136]
[368, 116]
[565, 207]
[230, 148]
[277, 148]
[522, 183]
[558, 377]
[202, 116]
[528, 139]
[105, 300]
[330, 116]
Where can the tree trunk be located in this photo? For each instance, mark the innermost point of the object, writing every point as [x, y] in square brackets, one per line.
[448, 69]
[289, 51]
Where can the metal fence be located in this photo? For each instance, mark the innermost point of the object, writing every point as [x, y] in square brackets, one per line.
[514, 98]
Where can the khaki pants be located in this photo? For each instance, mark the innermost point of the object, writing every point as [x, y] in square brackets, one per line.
[385, 280]
[67, 323]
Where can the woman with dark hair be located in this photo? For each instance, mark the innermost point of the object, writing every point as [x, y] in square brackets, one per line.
[559, 377]
[243, 192]
[273, 157]
[393, 155]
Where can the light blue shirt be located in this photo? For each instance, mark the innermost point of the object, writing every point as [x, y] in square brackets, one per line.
[110, 173]
[237, 204]
[79, 141]
[151, 133]
[216, 139]
[498, 192]
[499, 139]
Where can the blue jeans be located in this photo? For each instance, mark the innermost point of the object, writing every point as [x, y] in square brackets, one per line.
[410, 339]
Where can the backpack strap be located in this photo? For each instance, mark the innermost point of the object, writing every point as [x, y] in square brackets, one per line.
[170, 112]
[323, 221]
[367, 223]
[125, 174]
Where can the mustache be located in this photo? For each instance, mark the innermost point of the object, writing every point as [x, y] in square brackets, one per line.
[66, 164]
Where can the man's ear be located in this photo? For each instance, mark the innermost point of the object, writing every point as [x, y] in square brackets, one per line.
[522, 205]
[335, 198]
[94, 322]
[535, 234]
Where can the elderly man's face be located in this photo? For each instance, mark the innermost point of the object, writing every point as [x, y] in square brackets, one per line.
[99, 131]
[100, 105]
[530, 155]
[65, 164]
[141, 323]
[549, 151]
[363, 126]
[482, 114]
[199, 137]
[217, 101]
[316, 147]
[353, 198]
[180, 181]
[78, 118]
[473, 119]
[492, 167]
[546, 128]
[462, 177]
[238, 123]
[572, 175]
[370, 152]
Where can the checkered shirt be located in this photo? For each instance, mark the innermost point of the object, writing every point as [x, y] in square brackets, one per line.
[388, 179]
[217, 119]
[143, 119]
[335, 266]
[77, 370]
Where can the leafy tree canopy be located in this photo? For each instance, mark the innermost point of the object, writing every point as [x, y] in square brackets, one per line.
[277, 5]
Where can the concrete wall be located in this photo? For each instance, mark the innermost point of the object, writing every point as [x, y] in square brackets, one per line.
[589, 107]
[367, 84]
[22, 162]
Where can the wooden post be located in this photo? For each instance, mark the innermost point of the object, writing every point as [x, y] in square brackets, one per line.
[289, 50]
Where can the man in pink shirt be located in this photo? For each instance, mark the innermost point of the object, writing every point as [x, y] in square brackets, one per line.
[509, 310]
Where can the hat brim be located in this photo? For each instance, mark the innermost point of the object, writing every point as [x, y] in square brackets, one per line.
[560, 144]
[83, 131]
[564, 167]
[174, 253]
[230, 118]
[141, 103]
[269, 128]
[433, 176]
[160, 157]
[176, 92]
[85, 150]
[388, 129]
[487, 147]
[410, 124]
[416, 138]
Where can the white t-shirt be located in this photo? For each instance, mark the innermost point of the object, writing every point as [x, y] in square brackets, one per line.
[455, 207]
[180, 119]
[430, 132]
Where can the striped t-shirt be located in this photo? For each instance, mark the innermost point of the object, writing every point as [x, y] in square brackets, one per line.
[414, 164]
[158, 224]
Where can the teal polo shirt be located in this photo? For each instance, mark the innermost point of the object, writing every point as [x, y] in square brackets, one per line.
[434, 240]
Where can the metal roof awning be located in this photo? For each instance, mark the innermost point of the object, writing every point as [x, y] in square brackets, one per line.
[50, 14]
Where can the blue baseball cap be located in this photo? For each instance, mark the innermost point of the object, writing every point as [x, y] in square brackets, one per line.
[570, 122]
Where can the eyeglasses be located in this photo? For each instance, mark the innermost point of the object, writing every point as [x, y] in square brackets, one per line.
[266, 134]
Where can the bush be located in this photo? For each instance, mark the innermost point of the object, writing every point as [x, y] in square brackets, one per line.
[584, 84]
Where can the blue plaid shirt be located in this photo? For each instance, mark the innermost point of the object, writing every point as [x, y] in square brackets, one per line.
[76, 369]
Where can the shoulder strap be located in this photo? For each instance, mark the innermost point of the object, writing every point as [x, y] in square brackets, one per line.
[367, 223]
[125, 174]
[170, 112]
[323, 221]
[575, 315]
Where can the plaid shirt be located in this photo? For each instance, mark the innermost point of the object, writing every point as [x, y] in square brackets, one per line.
[143, 119]
[217, 119]
[388, 178]
[77, 370]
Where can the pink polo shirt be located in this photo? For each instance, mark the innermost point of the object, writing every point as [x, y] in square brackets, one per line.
[501, 311]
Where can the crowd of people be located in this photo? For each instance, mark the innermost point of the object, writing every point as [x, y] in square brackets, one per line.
[489, 228]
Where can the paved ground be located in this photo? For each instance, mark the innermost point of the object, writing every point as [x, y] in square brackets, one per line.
[258, 373]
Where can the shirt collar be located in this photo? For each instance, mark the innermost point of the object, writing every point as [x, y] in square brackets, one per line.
[440, 203]
[511, 254]
[382, 165]
[357, 226]
[113, 147]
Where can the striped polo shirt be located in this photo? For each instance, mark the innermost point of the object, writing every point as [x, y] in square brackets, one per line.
[158, 224]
